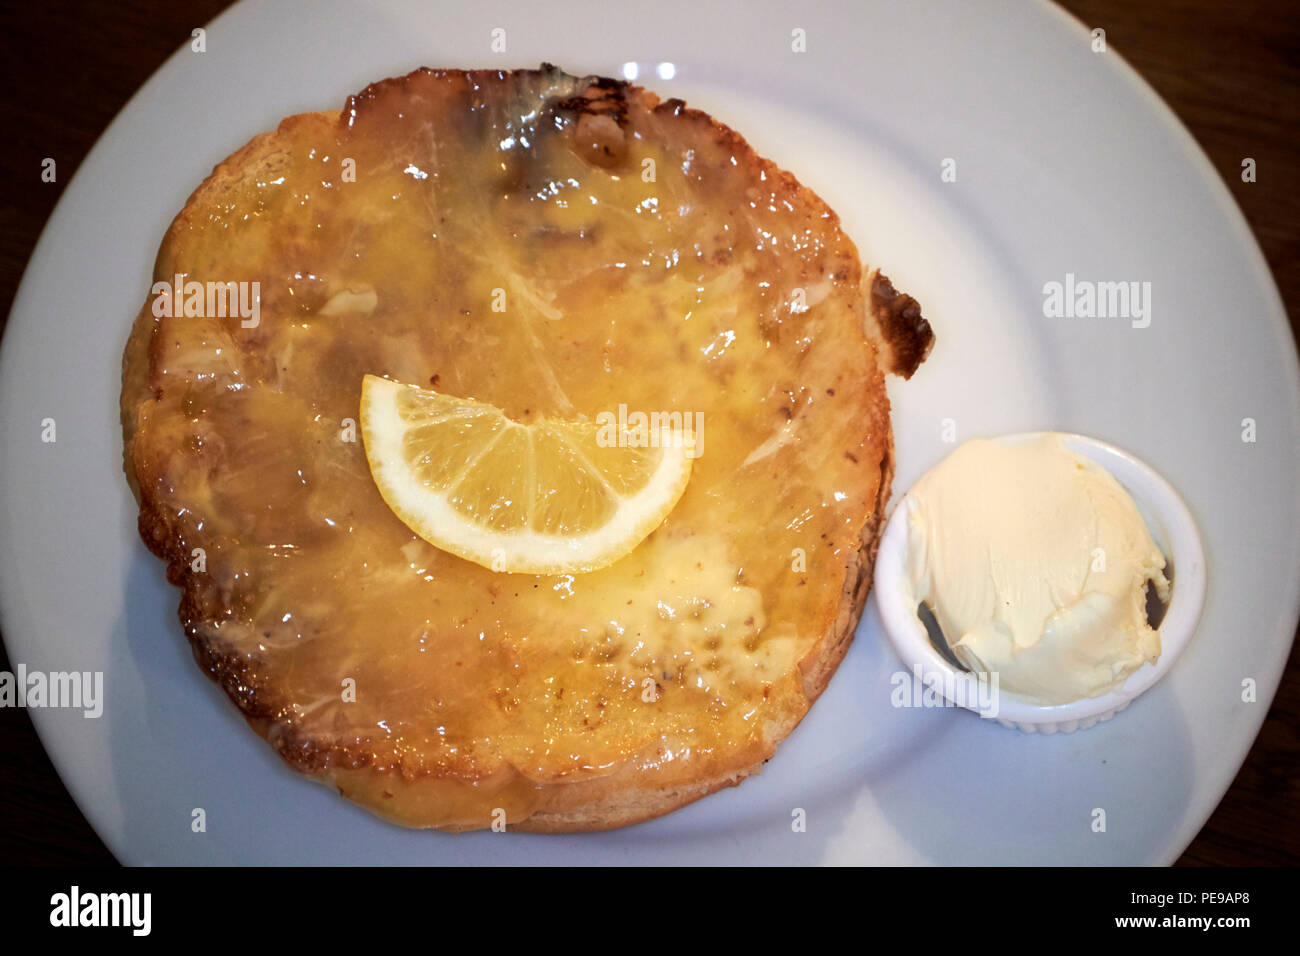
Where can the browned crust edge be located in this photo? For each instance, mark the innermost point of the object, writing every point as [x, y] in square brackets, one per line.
[905, 334]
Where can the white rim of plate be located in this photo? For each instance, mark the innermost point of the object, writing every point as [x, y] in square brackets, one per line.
[1160, 505]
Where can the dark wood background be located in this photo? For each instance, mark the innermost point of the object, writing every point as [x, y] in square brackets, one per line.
[1231, 71]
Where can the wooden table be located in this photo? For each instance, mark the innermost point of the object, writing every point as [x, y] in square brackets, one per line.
[1231, 71]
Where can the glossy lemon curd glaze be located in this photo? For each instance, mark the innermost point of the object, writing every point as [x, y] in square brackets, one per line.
[503, 242]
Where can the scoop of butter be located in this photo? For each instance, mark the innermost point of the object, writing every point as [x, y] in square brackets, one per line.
[1035, 563]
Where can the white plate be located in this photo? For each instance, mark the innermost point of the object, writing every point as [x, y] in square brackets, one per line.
[1066, 162]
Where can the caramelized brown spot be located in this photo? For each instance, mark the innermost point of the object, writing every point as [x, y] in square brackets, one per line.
[905, 331]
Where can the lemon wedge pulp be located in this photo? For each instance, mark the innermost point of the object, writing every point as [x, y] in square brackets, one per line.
[548, 497]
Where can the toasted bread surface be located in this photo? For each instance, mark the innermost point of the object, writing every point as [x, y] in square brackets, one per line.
[554, 245]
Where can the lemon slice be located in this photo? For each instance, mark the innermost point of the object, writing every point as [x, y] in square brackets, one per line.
[548, 497]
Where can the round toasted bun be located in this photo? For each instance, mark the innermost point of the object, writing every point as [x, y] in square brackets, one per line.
[556, 246]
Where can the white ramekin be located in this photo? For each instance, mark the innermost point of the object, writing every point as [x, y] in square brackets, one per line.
[1174, 531]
